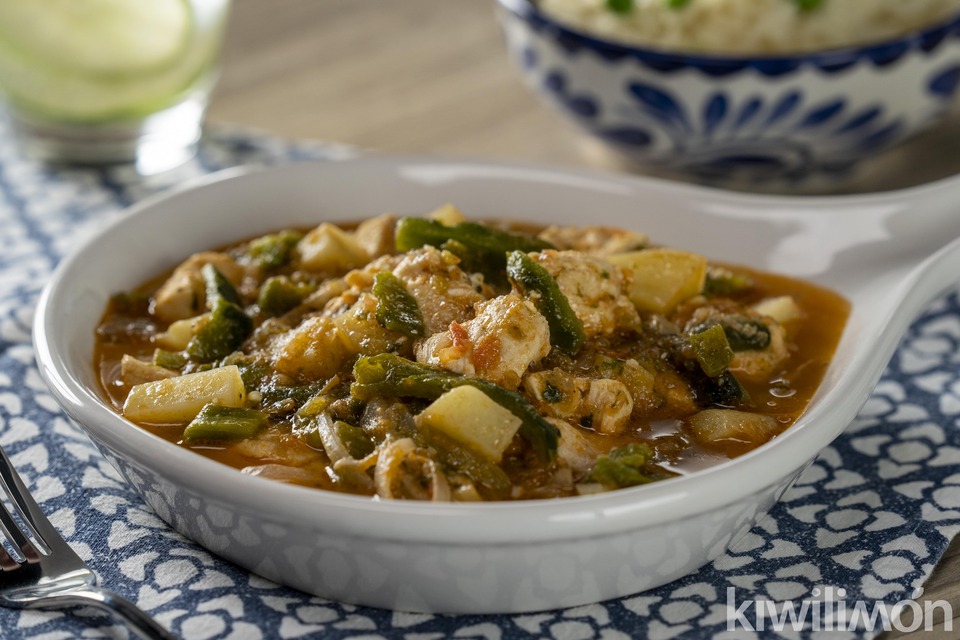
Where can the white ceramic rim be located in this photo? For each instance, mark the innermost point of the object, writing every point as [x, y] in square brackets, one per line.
[461, 523]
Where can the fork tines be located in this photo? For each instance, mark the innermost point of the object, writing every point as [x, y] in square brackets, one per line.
[20, 530]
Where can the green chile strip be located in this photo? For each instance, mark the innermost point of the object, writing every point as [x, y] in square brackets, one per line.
[397, 310]
[228, 326]
[275, 250]
[279, 294]
[482, 248]
[387, 374]
[226, 330]
[742, 333]
[627, 466]
[218, 287]
[216, 422]
[566, 330]
[712, 350]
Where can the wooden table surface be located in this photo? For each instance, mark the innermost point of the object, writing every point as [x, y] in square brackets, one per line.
[433, 77]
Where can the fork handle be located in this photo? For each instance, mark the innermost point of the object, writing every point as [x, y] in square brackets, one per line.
[140, 624]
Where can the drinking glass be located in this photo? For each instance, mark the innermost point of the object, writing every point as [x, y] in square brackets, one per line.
[109, 81]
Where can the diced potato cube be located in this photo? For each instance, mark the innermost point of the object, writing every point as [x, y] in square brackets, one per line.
[179, 333]
[328, 247]
[783, 309]
[134, 371]
[375, 235]
[447, 215]
[662, 278]
[178, 400]
[713, 425]
[469, 416]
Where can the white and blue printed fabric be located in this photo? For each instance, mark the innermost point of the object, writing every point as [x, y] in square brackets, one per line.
[846, 550]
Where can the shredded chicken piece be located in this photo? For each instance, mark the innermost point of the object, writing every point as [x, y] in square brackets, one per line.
[183, 295]
[404, 473]
[311, 351]
[268, 447]
[598, 241]
[281, 473]
[357, 280]
[134, 371]
[359, 330]
[321, 344]
[444, 293]
[362, 278]
[763, 364]
[602, 404]
[325, 293]
[574, 447]
[595, 289]
[507, 336]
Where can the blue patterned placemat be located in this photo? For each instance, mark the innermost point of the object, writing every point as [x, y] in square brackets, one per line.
[847, 548]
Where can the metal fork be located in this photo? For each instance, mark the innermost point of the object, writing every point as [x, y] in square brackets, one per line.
[44, 572]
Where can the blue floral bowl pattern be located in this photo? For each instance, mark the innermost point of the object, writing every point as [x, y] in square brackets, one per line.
[781, 118]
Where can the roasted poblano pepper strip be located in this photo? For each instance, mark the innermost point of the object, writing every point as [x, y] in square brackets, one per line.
[484, 248]
[218, 287]
[566, 330]
[357, 442]
[723, 282]
[397, 310]
[747, 334]
[255, 370]
[173, 360]
[723, 391]
[226, 330]
[280, 294]
[743, 333]
[216, 422]
[475, 467]
[412, 233]
[726, 391]
[387, 374]
[712, 350]
[275, 250]
[626, 466]
[274, 394]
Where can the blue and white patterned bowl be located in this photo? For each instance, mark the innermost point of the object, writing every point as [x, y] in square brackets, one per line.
[784, 118]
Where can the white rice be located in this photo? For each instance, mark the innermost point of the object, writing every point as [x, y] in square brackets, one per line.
[751, 26]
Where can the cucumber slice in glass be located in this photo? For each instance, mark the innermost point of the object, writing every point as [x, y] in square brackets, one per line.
[69, 97]
[88, 87]
[98, 37]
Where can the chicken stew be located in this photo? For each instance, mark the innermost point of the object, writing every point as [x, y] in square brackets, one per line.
[436, 358]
